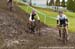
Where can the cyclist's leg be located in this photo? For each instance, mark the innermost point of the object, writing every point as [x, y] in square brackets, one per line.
[30, 26]
[66, 29]
[33, 26]
[59, 28]
[60, 32]
[64, 37]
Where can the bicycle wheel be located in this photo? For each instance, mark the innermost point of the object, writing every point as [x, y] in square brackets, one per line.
[33, 27]
[64, 36]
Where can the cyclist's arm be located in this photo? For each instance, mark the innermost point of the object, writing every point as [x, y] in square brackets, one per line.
[38, 17]
[66, 19]
[57, 19]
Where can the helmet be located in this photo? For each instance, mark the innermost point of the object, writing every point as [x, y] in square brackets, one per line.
[60, 11]
[33, 12]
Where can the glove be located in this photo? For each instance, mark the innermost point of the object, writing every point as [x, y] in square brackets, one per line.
[57, 25]
[66, 23]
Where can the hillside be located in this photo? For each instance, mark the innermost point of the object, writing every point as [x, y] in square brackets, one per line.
[14, 35]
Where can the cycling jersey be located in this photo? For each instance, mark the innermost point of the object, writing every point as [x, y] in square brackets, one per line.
[32, 17]
[62, 19]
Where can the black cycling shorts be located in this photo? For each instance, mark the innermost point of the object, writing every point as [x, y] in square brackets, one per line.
[63, 25]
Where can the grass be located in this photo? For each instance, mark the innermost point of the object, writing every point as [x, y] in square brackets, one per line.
[50, 16]
[51, 22]
[42, 17]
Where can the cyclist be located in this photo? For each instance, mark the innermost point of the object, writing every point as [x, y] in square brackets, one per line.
[10, 4]
[33, 14]
[62, 21]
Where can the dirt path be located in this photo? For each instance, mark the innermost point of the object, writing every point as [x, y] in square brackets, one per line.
[13, 33]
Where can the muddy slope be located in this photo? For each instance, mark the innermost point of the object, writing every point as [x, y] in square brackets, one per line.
[13, 34]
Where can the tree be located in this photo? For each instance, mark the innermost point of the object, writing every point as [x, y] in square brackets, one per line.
[30, 3]
[51, 2]
[57, 3]
[47, 2]
[63, 3]
[74, 6]
[70, 5]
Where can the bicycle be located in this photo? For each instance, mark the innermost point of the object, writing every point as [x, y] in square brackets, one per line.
[64, 35]
[38, 26]
[34, 27]
[31, 27]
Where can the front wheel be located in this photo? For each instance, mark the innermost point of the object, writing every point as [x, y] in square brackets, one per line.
[64, 36]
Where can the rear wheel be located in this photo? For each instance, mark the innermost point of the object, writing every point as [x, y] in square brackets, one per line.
[32, 27]
[38, 31]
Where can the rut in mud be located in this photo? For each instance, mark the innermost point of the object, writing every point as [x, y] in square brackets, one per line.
[13, 35]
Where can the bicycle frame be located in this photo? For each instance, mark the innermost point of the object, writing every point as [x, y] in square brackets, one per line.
[34, 27]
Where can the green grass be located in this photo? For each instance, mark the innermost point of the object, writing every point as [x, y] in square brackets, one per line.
[52, 22]
[71, 21]
[50, 16]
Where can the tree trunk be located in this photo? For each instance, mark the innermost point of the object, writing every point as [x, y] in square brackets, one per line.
[30, 2]
[57, 3]
[63, 3]
[47, 3]
[51, 2]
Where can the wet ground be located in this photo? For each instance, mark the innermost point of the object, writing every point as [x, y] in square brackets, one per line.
[13, 34]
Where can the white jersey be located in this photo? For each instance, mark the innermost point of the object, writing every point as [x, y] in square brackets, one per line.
[61, 17]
